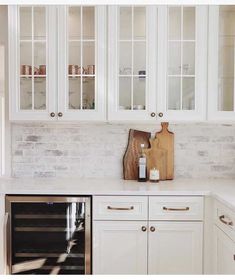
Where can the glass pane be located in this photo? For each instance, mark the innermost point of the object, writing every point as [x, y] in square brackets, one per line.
[188, 23]
[74, 23]
[25, 58]
[188, 58]
[125, 55]
[174, 93]
[88, 56]
[125, 23]
[40, 23]
[25, 23]
[175, 23]
[139, 93]
[39, 57]
[124, 93]
[88, 93]
[25, 93]
[139, 23]
[226, 94]
[139, 58]
[40, 93]
[74, 58]
[75, 93]
[88, 23]
[226, 58]
[188, 94]
[174, 64]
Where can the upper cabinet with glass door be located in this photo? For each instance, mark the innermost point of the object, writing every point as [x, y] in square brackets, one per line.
[31, 62]
[131, 62]
[82, 35]
[182, 68]
[221, 78]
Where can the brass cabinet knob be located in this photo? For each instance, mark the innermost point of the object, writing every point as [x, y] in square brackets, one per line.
[152, 229]
[60, 114]
[143, 228]
[160, 114]
[153, 114]
[52, 114]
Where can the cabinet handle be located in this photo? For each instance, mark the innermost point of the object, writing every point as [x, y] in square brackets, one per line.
[160, 114]
[52, 114]
[175, 209]
[222, 217]
[60, 114]
[153, 115]
[120, 208]
[143, 228]
[152, 229]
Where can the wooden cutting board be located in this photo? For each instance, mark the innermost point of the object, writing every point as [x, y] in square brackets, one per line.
[156, 158]
[133, 151]
[166, 141]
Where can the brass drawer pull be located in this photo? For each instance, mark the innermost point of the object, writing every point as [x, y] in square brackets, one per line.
[120, 208]
[222, 217]
[175, 209]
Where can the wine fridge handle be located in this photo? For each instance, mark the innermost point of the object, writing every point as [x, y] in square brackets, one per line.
[6, 219]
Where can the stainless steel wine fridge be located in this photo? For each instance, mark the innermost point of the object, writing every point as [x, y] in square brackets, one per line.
[48, 235]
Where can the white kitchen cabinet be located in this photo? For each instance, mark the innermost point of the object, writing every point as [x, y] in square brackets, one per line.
[175, 248]
[221, 63]
[124, 244]
[224, 255]
[119, 247]
[57, 77]
[157, 63]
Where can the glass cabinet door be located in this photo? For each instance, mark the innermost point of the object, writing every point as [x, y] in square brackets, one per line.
[30, 61]
[130, 48]
[184, 55]
[81, 29]
[222, 62]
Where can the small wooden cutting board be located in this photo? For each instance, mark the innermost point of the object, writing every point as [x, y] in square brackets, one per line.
[166, 142]
[156, 158]
[133, 151]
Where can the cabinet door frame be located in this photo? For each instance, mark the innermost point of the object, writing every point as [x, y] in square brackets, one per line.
[134, 226]
[201, 18]
[14, 66]
[174, 226]
[99, 113]
[113, 60]
[213, 67]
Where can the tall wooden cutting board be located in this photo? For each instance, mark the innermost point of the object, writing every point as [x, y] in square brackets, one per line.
[133, 151]
[166, 141]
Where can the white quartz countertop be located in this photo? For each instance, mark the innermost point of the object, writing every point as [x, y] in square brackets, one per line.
[221, 189]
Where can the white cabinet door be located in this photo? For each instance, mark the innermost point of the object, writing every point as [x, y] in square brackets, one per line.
[224, 255]
[2, 235]
[32, 62]
[175, 248]
[119, 247]
[81, 62]
[221, 63]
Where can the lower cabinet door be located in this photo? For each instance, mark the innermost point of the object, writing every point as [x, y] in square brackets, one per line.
[120, 247]
[224, 261]
[175, 248]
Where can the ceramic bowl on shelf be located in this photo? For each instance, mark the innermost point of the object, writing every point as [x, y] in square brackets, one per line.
[138, 107]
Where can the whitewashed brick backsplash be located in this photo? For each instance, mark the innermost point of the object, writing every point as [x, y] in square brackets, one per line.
[202, 150]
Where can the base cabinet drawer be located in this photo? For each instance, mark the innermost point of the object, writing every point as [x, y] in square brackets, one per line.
[224, 255]
[119, 247]
[175, 208]
[175, 248]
